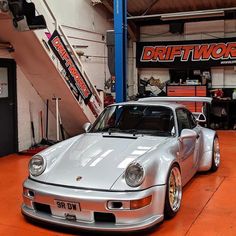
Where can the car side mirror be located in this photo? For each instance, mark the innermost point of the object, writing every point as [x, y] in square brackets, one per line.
[86, 127]
[186, 134]
[201, 118]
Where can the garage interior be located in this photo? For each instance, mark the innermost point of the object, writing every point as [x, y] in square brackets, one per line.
[105, 40]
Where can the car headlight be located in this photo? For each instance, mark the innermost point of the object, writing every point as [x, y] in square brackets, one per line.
[37, 165]
[134, 175]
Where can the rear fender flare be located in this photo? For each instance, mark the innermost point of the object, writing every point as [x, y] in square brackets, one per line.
[206, 156]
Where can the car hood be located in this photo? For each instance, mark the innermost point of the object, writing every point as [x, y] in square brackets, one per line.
[96, 161]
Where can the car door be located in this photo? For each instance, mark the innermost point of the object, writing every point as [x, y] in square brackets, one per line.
[198, 144]
[187, 147]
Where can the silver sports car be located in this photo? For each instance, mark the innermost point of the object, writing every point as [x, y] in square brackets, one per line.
[126, 172]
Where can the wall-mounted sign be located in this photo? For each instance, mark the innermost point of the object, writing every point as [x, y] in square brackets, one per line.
[72, 74]
[214, 52]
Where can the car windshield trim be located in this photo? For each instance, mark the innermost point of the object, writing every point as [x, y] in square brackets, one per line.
[136, 119]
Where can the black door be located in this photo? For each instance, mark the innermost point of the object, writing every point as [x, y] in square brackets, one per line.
[8, 111]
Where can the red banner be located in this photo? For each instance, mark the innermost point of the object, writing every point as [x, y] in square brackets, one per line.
[74, 78]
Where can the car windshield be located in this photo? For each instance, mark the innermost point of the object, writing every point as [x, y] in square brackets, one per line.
[136, 119]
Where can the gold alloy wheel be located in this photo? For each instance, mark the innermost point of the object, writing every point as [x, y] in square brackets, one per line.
[216, 154]
[175, 189]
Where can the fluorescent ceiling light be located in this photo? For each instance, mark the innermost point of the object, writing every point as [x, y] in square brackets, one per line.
[191, 15]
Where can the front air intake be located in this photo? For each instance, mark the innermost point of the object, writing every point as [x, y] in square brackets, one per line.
[104, 217]
[42, 208]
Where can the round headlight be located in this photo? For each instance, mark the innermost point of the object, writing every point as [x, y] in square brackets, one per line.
[134, 175]
[37, 165]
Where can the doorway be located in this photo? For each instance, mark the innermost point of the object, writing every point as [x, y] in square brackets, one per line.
[8, 107]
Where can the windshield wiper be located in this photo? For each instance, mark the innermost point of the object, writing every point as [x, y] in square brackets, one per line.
[131, 131]
[146, 132]
[112, 130]
[161, 133]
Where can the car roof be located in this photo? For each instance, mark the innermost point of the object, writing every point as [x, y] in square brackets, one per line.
[172, 105]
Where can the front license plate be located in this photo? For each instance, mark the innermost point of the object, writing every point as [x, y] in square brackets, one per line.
[69, 206]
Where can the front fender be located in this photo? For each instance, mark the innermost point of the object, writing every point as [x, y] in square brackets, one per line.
[156, 165]
[53, 154]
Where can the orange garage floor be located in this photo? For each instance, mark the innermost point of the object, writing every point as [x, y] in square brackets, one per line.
[208, 207]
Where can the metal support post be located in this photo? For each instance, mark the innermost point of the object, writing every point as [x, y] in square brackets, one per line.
[120, 26]
[57, 117]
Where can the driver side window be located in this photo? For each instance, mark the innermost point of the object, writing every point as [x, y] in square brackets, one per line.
[192, 120]
[182, 119]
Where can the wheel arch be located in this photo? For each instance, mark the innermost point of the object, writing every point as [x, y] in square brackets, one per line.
[206, 156]
[175, 162]
[169, 211]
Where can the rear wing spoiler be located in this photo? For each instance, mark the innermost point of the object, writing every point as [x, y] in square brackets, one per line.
[176, 99]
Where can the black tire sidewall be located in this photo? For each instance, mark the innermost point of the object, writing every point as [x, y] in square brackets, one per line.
[213, 164]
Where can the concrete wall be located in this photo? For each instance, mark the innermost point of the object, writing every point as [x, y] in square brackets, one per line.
[221, 76]
[26, 101]
[28, 96]
[85, 25]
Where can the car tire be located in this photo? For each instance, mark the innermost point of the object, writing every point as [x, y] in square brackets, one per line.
[173, 192]
[215, 155]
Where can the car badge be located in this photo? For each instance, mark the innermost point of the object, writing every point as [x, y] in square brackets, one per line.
[78, 178]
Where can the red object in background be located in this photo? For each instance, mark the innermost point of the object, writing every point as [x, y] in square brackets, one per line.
[219, 93]
[188, 91]
[108, 100]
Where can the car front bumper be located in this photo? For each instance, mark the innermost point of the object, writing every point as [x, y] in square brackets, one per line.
[92, 202]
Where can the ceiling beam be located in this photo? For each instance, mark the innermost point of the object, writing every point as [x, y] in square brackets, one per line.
[108, 6]
[188, 13]
[133, 30]
[153, 3]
